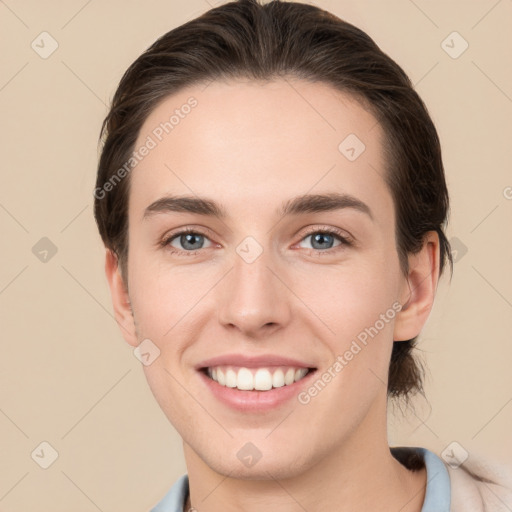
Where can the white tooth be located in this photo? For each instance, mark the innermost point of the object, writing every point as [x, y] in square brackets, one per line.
[230, 379]
[213, 373]
[221, 379]
[289, 377]
[245, 380]
[300, 373]
[262, 380]
[278, 378]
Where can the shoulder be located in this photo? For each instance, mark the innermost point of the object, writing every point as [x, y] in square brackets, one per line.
[460, 480]
[479, 483]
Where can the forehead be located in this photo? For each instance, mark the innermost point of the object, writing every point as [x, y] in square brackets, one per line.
[244, 141]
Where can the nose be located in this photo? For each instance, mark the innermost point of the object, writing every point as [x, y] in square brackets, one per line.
[254, 299]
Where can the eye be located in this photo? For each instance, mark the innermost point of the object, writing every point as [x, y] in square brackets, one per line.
[186, 241]
[323, 239]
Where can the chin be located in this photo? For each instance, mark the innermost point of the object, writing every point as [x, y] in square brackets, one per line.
[272, 463]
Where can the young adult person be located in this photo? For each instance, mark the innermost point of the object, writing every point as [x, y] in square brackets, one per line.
[272, 198]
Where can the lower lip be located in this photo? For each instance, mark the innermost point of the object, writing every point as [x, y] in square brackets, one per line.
[255, 401]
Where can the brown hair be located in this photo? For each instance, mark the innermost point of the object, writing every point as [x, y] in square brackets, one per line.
[244, 39]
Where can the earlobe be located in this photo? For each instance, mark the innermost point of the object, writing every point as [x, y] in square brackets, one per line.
[120, 299]
[418, 289]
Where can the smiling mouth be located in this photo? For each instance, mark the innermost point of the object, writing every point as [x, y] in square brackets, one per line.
[256, 379]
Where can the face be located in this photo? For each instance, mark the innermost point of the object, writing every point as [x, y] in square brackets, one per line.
[265, 287]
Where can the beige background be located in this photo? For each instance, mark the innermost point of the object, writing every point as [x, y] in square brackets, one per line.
[66, 375]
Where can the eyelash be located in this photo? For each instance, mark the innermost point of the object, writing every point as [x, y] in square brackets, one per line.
[345, 241]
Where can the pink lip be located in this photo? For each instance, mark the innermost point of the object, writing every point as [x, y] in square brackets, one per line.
[255, 401]
[252, 361]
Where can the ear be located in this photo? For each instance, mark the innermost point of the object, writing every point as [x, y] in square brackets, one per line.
[418, 289]
[120, 299]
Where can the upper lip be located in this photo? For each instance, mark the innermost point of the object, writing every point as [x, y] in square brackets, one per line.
[246, 361]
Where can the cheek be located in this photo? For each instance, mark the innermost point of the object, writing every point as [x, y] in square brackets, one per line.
[182, 411]
[350, 297]
[356, 303]
[162, 295]
[171, 306]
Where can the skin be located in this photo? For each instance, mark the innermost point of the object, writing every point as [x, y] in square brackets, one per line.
[250, 146]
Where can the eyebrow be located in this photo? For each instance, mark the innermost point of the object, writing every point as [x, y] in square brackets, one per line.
[308, 203]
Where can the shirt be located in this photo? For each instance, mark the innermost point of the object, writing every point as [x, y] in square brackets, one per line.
[437, 493]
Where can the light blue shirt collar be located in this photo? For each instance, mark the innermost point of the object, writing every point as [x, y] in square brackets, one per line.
[438, 492]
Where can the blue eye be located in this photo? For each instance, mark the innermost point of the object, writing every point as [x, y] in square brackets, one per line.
[324, 239]
[189, 242]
